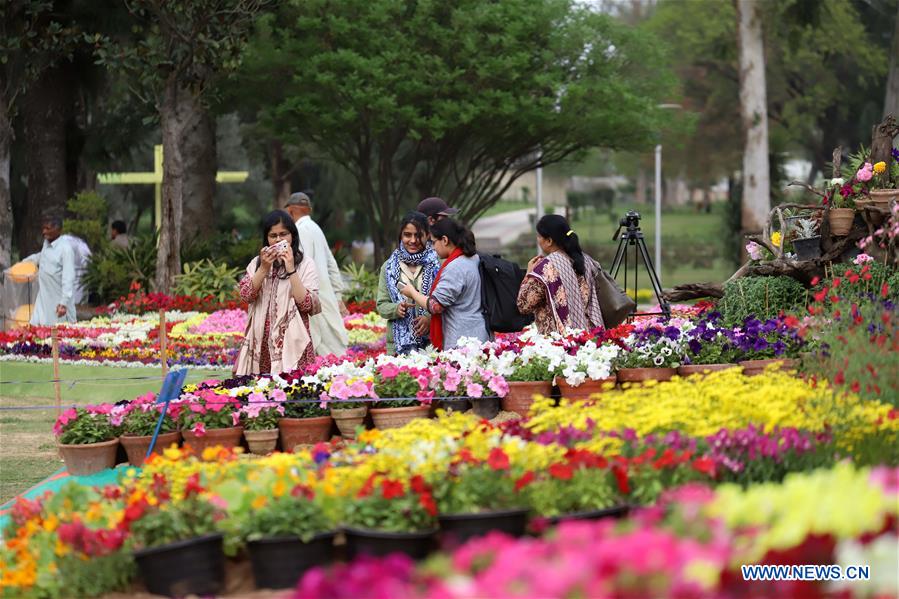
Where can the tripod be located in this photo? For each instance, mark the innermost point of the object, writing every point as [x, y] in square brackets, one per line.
[633, 236]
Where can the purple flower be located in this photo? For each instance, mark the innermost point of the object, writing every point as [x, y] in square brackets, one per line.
[895, 153]
[672, 333]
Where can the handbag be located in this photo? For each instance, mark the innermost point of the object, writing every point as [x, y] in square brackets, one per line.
[614, 303]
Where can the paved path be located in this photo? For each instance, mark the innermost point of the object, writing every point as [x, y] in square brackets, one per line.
[503, 229]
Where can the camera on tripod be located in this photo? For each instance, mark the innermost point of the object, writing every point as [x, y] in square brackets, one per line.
[633, 236]
[631, 220]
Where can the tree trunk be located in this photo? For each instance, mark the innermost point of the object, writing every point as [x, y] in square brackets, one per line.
[44, 110]
[179, 113]
[640, 190]
[200, 165]
[891, 101]
[5, 197]
[280, 174]
[754, 113]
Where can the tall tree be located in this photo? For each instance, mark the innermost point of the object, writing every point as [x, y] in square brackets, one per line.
[457, 98]
[184, 46]
[891, 101]
[754, 114]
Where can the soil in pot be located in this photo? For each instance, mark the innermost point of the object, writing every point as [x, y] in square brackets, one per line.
[459, 528]
[841, 221]
[304, 431]
[347, 419]
[808, 248]
[189, 567]
[521, 395]
[690, 369]
[377, 543]
[136, 447]
[586, 389]
[396, 417]
[279, 562]
[754, 367]
[261, 442]
[638, 375]
[455, 405]
[226, 437]
[485, 407]
[90, 458]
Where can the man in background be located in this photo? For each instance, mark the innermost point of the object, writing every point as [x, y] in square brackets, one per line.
[118, 234]
[56, 276]
[435, 209]
[329, 335]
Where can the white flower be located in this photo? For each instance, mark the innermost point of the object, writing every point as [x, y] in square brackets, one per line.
[837, 181]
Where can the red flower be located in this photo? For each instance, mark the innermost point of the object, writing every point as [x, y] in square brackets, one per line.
[561, 471]
[666, 459]
[704, 465]
[417, 483]
[498, 460]
[367, 488]
[839, 378]
[391, 489]
[303, 491]
[815, 281]
[884, 291]
[621, 478]
[426, 500]
[466, 456]
[193, 485]
[525, 479]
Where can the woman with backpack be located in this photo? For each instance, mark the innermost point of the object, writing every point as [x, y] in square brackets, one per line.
[281, 288]
[414, 263]
[559, 288]
[455, 298]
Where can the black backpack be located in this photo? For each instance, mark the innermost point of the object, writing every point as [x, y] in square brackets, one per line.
[500, 281]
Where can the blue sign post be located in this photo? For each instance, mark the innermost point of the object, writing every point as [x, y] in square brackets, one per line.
[171, 388]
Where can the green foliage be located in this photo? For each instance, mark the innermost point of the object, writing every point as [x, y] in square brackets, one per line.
[363, 285]
[587, 489]
[175, 521]
[112, 270]
[206, 278]
[762, 297]
[400, 386]
[90, 211]
[97, 576]
[142, 423]
[536, 370]
[304, 392]
[265, 420]
[403, 513]
[294, 515]
[87, 428]
[476, 488]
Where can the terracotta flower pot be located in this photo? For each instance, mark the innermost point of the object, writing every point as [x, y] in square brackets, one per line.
[754, 367]
[586, 389]
[226, 437]
[881, 198]
[303, 431]
[397, 417]
[136, 446]
[90, 458]
[348, 419]
[690, 369]
[521, 395]
[841, 221]
[261, 442]
[638, 375]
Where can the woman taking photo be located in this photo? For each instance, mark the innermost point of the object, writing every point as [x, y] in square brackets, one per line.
[412, 263]
[455, 299]
[559, 288]
[281, 289]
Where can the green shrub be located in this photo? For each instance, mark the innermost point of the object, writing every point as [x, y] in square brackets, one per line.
[89, 212]
[363, 284]
[206, 278]
[762, 297]
[112, 269]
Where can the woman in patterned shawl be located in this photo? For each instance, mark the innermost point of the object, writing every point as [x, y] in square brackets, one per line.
[414, 263]
[281, 289]
[559, 288]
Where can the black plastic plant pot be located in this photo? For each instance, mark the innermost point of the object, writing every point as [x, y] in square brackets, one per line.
[456, 405]
[459, 528]
[378, 543]
[485, 408]
[190, 567]
[618, 511]
[808, 248]
[279, 562]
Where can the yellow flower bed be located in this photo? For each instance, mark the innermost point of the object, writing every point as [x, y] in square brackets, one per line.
[700, 406]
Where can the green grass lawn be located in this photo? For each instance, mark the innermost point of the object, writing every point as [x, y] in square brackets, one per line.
[27, 447]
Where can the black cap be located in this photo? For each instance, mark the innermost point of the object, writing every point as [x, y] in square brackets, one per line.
[434, 206]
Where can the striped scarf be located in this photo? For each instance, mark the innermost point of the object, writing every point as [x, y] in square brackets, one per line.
[404, 336]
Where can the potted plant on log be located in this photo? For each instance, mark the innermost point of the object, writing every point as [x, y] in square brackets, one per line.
[259, 418]
[87, 439]
[477, 496]
[388, 516]
[139, 424]
[208, 419]
[178, 548]
[806, 241]
[397, 389]
[287, 536]
[305, 421]
[884, 184]
[842, 198]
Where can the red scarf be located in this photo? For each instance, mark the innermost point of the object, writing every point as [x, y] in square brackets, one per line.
[437, 319]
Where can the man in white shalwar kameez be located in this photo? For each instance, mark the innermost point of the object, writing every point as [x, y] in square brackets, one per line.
[56, 277]
[329, 335]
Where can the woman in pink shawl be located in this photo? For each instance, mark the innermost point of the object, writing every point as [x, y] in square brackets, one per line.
[282, 291]
[559, 288]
